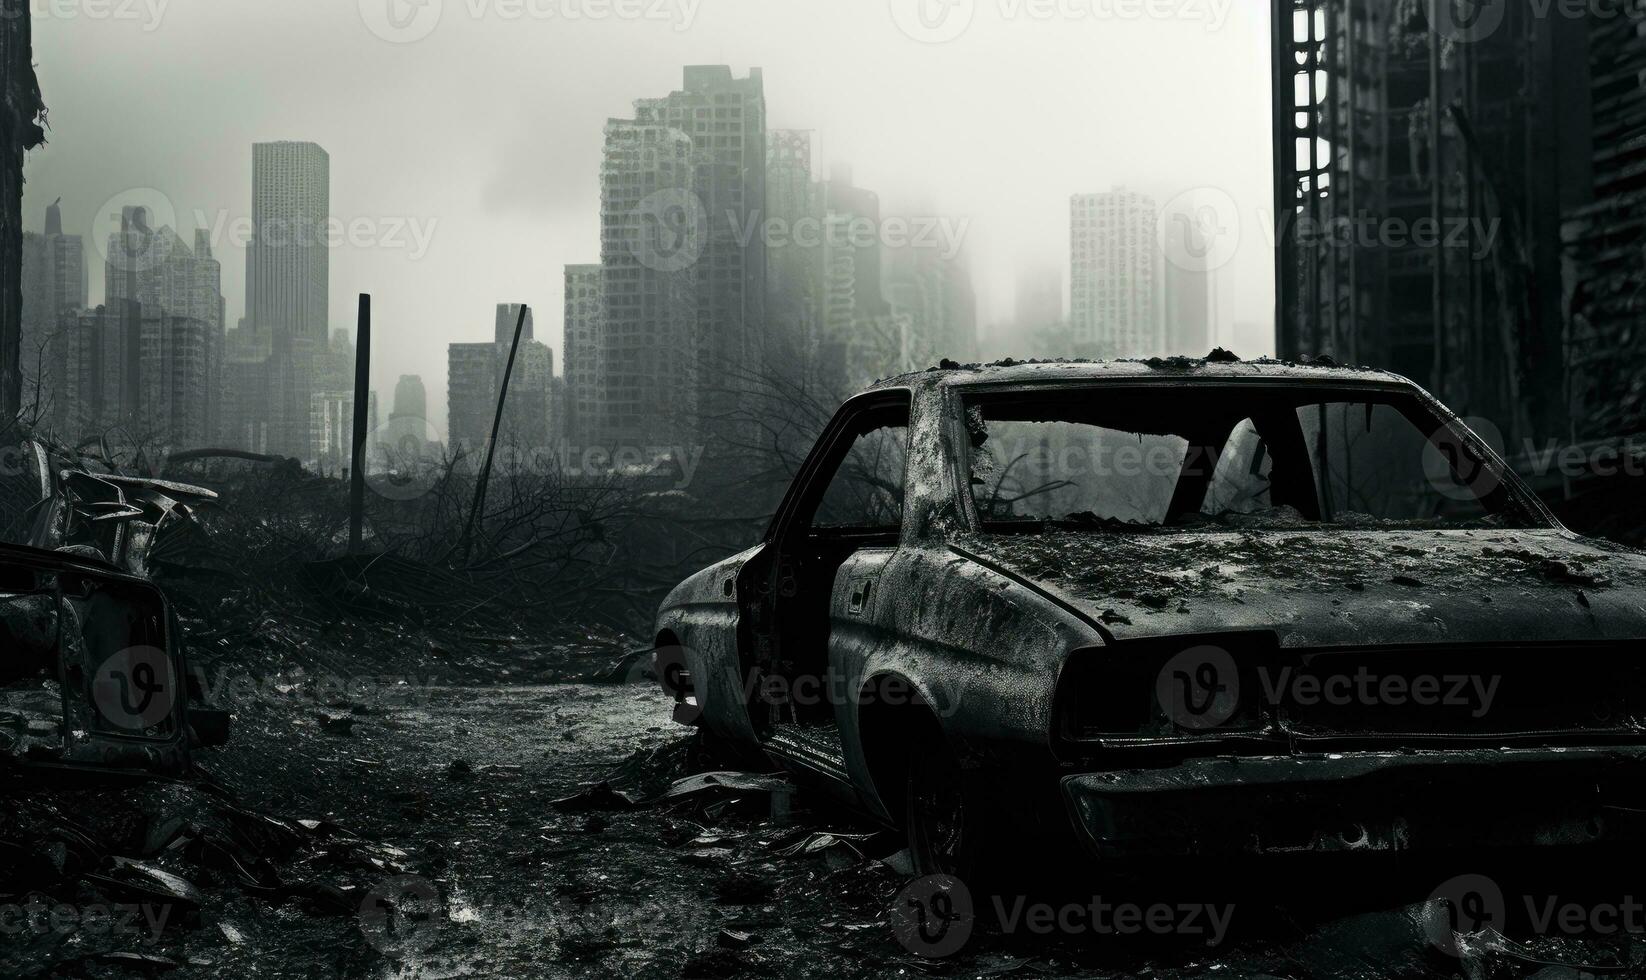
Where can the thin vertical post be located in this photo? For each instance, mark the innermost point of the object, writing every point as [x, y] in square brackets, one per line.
[1437, 202]
[491, 444]
[362, 393]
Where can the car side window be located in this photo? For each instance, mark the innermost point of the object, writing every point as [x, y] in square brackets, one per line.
[866, 490]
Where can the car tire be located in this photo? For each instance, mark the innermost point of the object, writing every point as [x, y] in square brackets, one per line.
[944, 820]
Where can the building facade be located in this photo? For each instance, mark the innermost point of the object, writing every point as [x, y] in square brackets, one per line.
[474, 381]
[794, 265]
[685, 285]
[68, 262]
[585, 324]
[331, 430]
[650, 237]
[153, 375]
[1114, 267]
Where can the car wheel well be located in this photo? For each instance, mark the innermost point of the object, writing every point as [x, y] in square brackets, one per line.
[666, 638]
[887, 727]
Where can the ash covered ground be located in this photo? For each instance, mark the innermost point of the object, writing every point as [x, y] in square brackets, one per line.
[411, 827]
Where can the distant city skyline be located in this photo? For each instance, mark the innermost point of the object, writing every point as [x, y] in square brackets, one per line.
[490, 131]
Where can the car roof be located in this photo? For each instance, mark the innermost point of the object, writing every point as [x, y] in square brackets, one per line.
[1218, 366]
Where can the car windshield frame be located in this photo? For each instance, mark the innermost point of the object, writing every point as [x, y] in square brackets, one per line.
[1510, 499]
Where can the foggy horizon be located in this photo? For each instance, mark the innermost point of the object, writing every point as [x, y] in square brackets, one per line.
[482, 140]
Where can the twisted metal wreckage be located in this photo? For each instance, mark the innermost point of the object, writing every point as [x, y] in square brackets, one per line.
[95, 682]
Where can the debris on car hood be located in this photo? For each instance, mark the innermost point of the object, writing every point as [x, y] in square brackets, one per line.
[1330, 588]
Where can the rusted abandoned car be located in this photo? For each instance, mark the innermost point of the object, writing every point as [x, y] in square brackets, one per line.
[1174, 607]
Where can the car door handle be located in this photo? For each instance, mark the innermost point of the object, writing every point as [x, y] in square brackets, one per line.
[862, 593]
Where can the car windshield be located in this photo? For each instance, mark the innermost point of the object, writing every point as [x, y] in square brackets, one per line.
[1228, 456]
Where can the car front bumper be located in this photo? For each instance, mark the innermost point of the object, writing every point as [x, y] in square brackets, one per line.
[1365, 801]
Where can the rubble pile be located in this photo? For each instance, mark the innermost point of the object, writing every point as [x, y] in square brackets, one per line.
[157, 875]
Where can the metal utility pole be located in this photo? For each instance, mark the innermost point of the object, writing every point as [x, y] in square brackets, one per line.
[491, 444]
[362, 394]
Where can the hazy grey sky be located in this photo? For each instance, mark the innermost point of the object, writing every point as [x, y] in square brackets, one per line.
[465, 135]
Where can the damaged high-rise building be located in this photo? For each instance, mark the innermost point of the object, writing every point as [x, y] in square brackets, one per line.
[287, 292]
[681, 184]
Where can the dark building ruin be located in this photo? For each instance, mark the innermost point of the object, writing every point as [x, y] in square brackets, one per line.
[1469, 248]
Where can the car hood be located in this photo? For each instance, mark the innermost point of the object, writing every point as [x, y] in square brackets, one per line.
[1320, 589]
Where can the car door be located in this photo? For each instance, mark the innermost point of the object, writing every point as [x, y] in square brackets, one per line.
[838, 528]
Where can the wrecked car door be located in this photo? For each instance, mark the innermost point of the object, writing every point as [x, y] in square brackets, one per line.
[832, 543]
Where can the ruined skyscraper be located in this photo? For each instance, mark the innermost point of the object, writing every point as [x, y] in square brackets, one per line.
[287, 261]
[1113, 263]
[66, 262]
[681, 185]
[154, 267]
[650, 237]
[287, 286]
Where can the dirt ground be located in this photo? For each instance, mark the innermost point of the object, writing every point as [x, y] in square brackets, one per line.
[437, 849]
